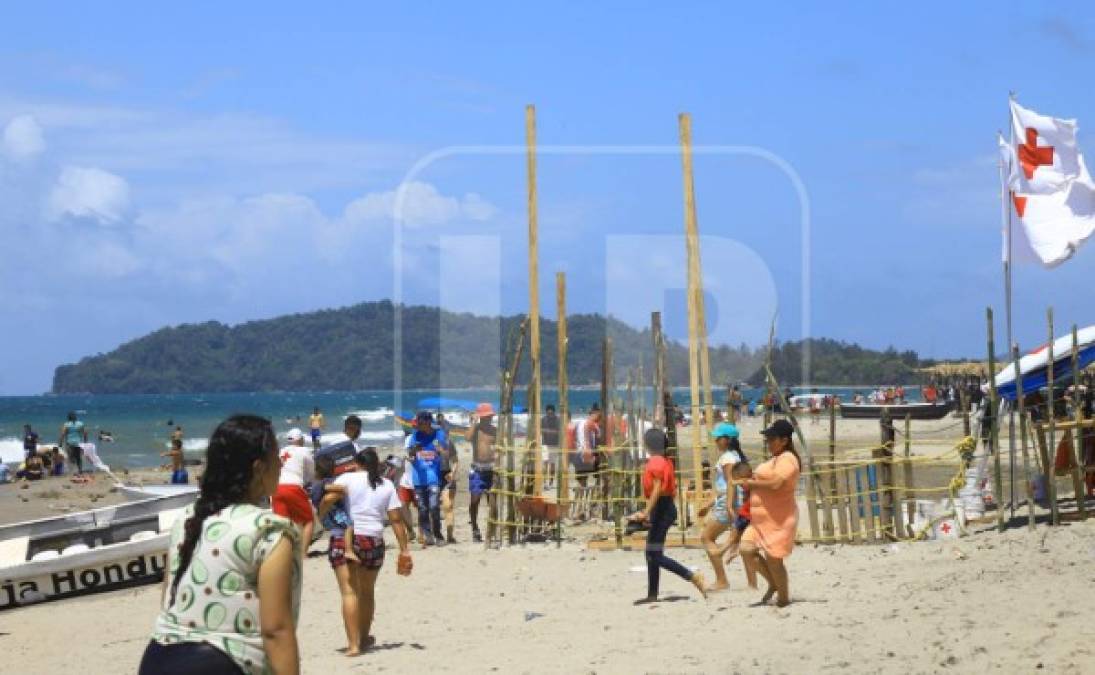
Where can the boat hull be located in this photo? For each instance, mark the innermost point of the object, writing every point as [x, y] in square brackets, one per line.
[88, 552]
[916, 411]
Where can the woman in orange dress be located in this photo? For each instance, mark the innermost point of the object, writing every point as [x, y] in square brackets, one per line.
[774, 512]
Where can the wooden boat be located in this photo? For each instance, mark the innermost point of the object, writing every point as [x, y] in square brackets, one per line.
[87, 552]
[898, 411]
[139, 492]
[1034, 365]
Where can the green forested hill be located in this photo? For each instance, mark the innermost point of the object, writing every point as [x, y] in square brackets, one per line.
[352, 349]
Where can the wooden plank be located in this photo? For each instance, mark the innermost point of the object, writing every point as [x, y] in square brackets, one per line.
[811, 504]
[563, 488]
[853, 509]
[864, 501]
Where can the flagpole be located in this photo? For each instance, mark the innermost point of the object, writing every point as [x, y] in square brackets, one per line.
[1005, 195]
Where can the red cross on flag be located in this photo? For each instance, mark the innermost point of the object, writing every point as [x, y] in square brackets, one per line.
[1046, 155]
[1051, 192]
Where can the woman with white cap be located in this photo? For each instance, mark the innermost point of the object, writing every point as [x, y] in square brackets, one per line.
[298, 468]
[722, 506]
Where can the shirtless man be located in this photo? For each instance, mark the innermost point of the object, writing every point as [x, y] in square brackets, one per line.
[482, 435]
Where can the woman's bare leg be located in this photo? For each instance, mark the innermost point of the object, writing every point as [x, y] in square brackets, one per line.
[366, 586]
[350, 609]
[709, 537]
[783, 583]
[750, 552]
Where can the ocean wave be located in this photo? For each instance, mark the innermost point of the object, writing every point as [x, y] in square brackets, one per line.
[193, 444]
[377, 415]
[389, 435]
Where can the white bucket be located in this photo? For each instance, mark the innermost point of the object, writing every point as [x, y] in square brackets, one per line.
[973, 504]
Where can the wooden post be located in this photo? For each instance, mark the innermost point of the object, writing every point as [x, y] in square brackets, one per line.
[840, 498]
[886, 510]
[863, 485]
[705, 360]
[858, 531]
[994, 421]
[659, 368]
[672, 451]
[534, 437]
[608, 390]
[692, 249]
[910, 487]
[1077, 458]
[963, 402]
[768, 397]
[562, 492]
[507, 437]
[1051, 417]
[1020, 396]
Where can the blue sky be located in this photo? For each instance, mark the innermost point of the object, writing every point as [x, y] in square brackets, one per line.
[161, 165]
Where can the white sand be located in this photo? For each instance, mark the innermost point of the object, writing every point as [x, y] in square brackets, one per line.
[988, 602]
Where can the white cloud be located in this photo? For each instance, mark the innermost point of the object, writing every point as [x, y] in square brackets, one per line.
[419, 205]
[89, 193]
[22, 138]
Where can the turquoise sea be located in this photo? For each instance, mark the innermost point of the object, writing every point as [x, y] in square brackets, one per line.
[142, 424]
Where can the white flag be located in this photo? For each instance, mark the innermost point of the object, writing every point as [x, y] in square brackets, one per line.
[1045, 155]
[1056, 224]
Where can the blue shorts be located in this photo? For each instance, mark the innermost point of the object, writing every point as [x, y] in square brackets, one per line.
[180, 477]
[480, 481]
[740, 523]
[316, 435]
[720, 512]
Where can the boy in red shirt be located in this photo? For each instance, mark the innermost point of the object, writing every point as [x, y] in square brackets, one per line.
[660, 488]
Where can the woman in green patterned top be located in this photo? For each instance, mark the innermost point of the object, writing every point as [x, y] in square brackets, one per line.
[231, 599]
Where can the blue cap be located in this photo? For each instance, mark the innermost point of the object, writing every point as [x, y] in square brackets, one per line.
[725, 429]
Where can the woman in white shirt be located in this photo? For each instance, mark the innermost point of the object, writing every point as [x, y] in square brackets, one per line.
[372, 501]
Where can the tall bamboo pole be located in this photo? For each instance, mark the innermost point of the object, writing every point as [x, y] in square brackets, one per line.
[533, 439]
[1047, 460]
[562, 489]
[1077, 437]
[994, 421]
[1020, 396]
[705, 359]
[692, 247]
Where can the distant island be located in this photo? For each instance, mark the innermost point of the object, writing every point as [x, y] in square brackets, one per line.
[351, 349]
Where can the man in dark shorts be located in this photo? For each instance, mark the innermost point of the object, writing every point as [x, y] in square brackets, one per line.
[450, 461]
[482, 435]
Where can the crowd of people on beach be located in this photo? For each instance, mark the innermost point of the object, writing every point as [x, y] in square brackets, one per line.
[231, 599]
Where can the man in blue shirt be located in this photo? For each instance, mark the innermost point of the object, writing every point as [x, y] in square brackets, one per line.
[425, 450]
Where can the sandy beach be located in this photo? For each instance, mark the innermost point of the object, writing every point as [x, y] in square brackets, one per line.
[1012, 602]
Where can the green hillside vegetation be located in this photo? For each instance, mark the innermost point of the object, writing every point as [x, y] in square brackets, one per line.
[352, 349]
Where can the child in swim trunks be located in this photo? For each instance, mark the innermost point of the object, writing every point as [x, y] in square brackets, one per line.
[337, 521]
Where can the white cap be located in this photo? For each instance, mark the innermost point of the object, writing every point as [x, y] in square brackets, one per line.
[295, 434]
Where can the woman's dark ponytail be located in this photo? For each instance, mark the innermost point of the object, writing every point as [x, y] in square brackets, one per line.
[370, 461]
[229, 467]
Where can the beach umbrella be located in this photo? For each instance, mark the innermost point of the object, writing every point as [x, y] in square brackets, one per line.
[1034, 365]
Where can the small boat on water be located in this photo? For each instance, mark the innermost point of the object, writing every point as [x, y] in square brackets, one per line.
[898, 411]
[88, 552]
